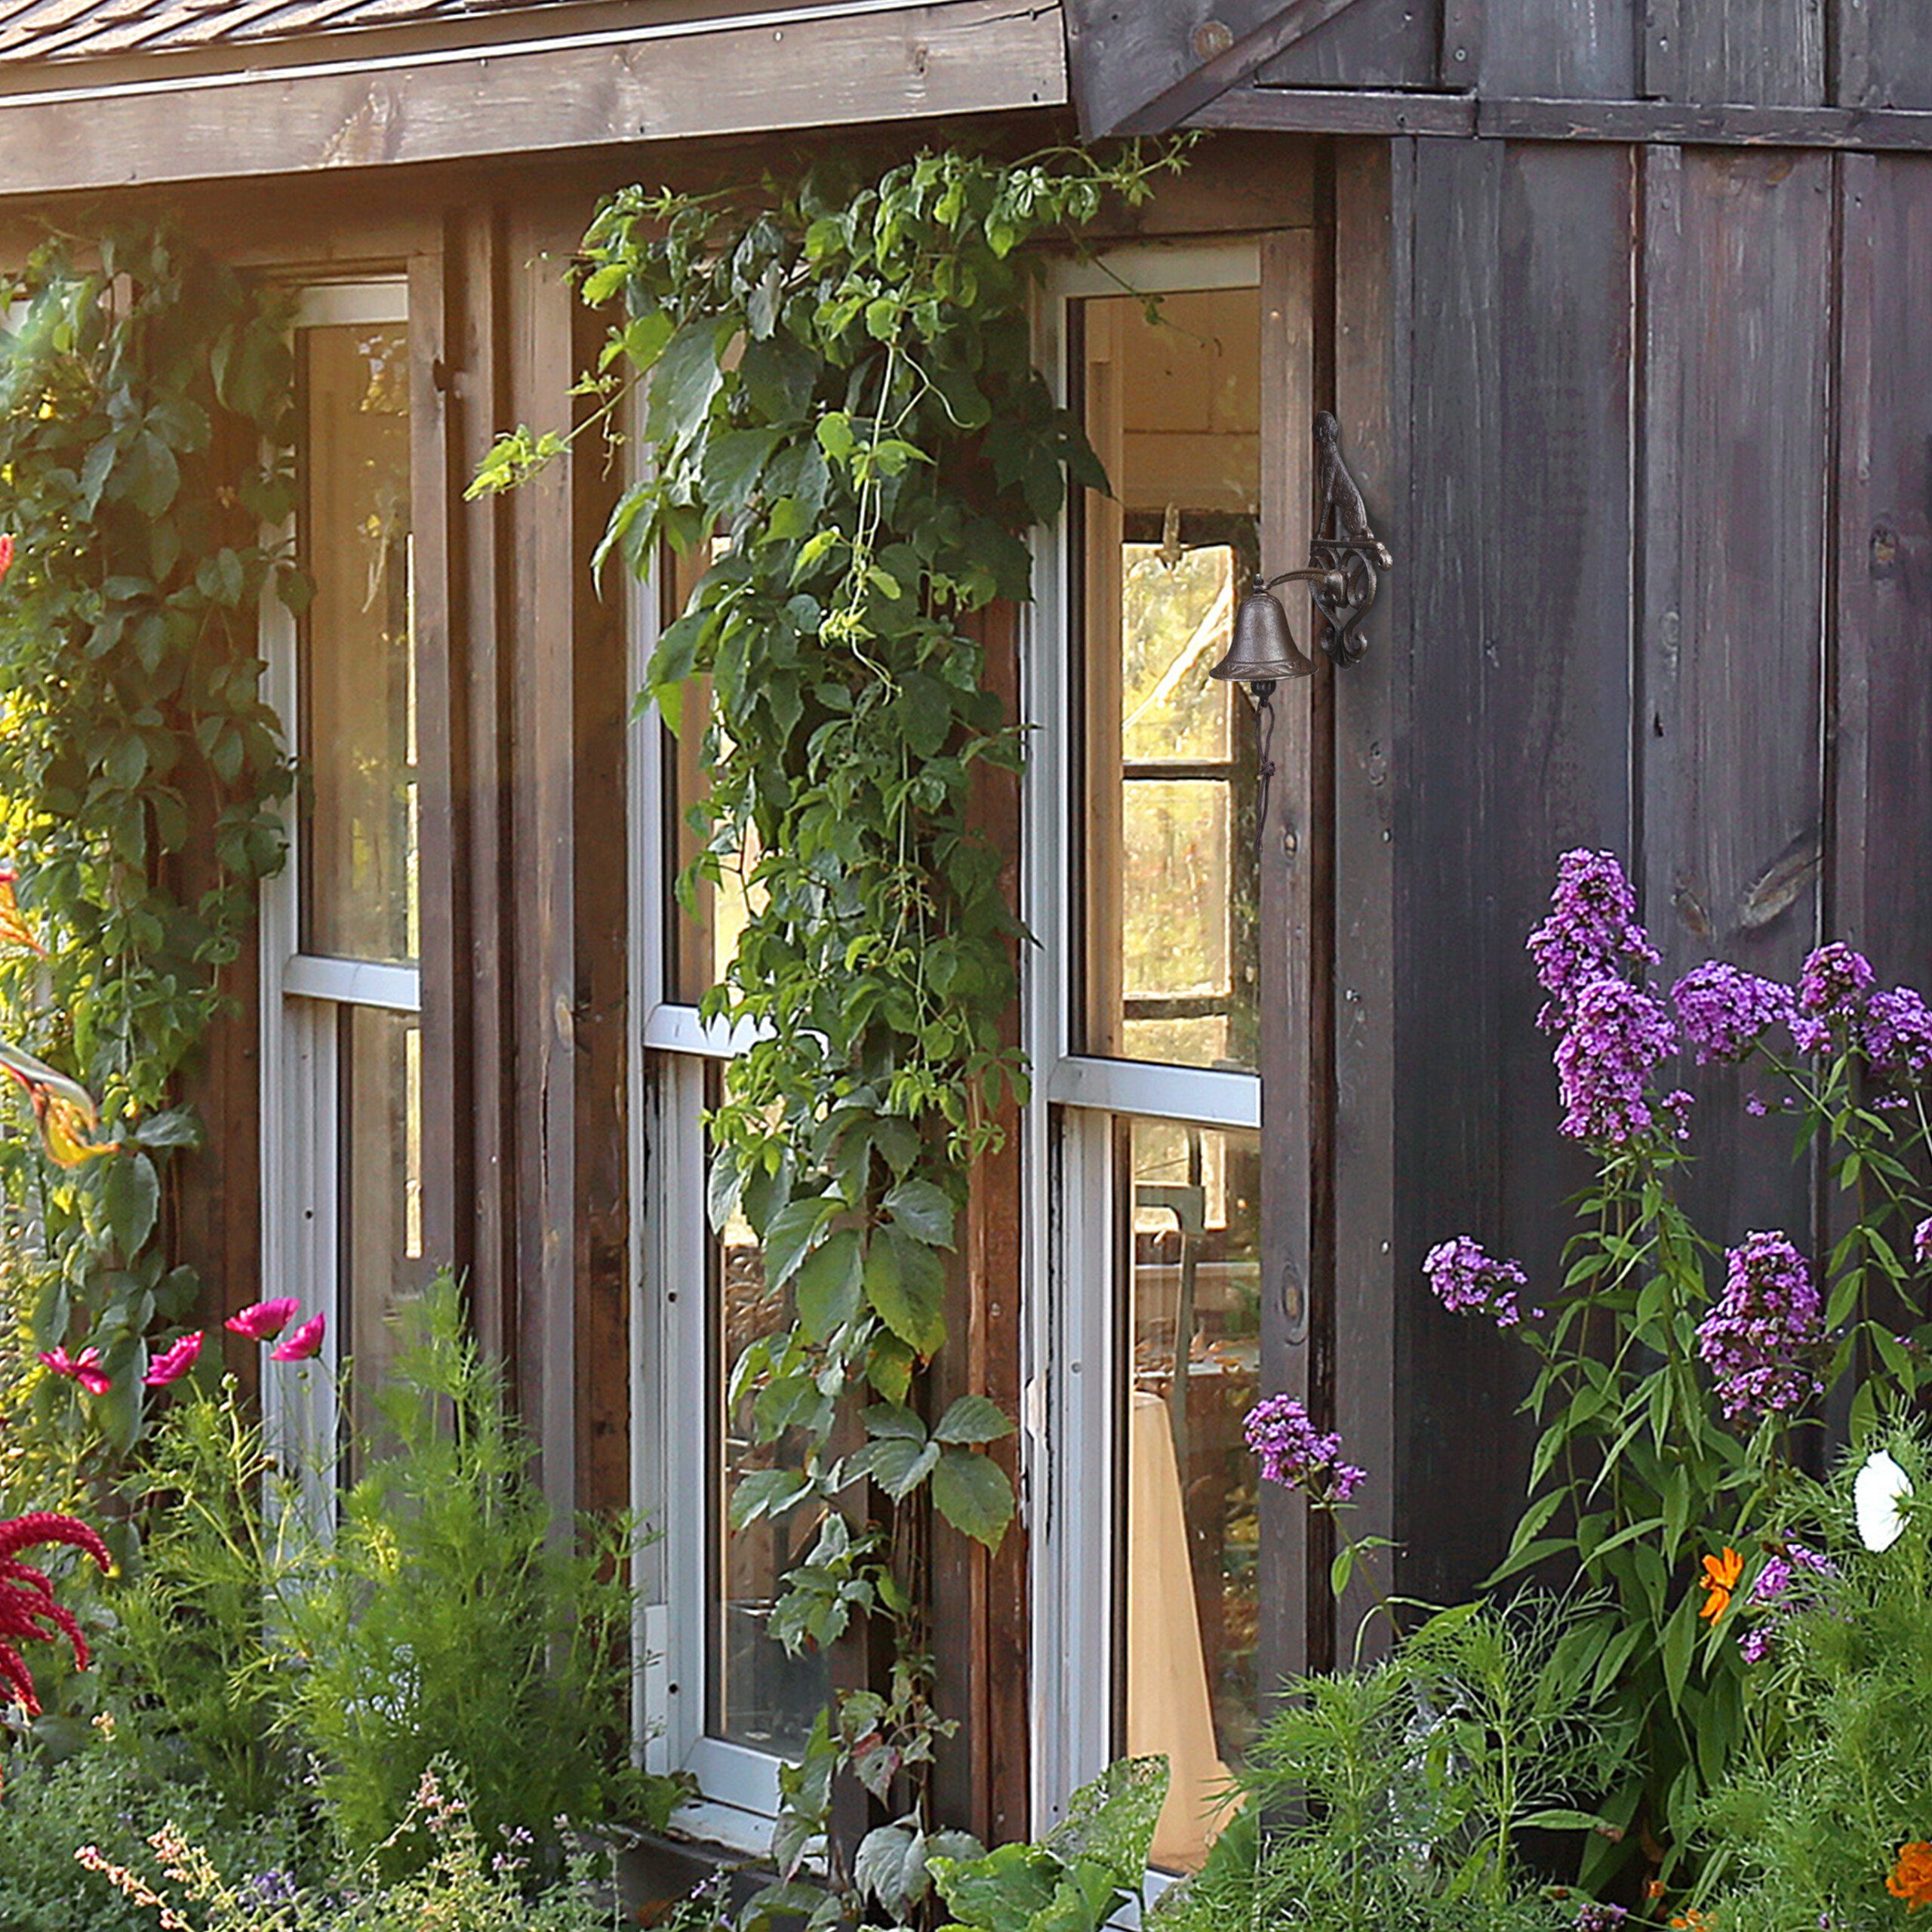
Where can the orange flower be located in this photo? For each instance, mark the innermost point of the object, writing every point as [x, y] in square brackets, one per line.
[1719, 1579]
[1911, 1875]
[1692, 1921]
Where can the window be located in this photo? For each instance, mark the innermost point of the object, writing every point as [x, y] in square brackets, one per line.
[1143, 1145]
[722, 1699]
[342, 1113]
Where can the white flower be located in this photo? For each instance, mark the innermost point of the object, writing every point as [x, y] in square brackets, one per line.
[1877, 1490]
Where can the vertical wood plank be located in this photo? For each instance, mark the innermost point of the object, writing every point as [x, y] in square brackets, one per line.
[980, 1603]
[1518, 670]
[1464, 42]
[1562, 50]
[1738, 342]
[1880, 888]
[600, 996]
[1297, 1628]
[447, 1186]
[479, 384]
[1375, 44]
[1373, 183]
[1661, 49]
[1852, 30]
[543, 576]
[1884, 55]
[1769, 52]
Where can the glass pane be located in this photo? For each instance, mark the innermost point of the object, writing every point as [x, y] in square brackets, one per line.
[358, 884]
[380, 1140]
[1173, 406]
[1190, 1230]
[760, 1697]
[704, 934]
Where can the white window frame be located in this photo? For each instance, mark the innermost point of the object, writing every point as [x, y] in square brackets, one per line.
[673, 1482]
[301, 997]
[1070, 1445]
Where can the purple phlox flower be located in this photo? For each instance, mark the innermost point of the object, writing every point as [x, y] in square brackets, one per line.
[1754, 1644]
[1466, 1280]
[1754, 1104]
[272, 1888]
[1831, 987]
[1896, 1035]
[1591, 1917]
[1921, 1242]
[1617, 1034]
[1815, 1560]
[1591, 933]
[1762, 1340]
[1773, 1582]
[1725, 1012]
[1675, 1107]
[1296, 1454]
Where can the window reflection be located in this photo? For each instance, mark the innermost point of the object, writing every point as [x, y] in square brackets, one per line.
[760, 1696]
[1189, 1237]
[380, 1058]
[359, 896]
[1172, 406]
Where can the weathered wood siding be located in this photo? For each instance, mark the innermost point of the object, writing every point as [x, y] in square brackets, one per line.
[1663, 533]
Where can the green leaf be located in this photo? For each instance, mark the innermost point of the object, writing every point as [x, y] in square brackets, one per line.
[973, 1418]
[971, 1491]
[685, 382]
[129, 1199]
[905, 1287]
[896, 1464]
[1002, 1892]
[789, 1233]
[829, 1291]
[921, 1207]
[767, 1493]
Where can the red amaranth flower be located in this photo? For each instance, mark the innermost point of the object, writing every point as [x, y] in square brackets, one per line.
[6, 553]
[26, 1596]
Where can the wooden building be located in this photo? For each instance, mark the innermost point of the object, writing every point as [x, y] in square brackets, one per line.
[1614, 300]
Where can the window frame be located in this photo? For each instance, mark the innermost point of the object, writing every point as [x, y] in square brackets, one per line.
[670, 1050]
[301, 997]
[1071, 1434]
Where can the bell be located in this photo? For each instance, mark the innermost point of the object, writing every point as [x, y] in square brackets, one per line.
[1263, 650]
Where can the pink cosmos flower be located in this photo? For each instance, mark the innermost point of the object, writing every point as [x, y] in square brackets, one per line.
[302, 1344]
[174, 1361]
[265, 1320]
[84, 1368]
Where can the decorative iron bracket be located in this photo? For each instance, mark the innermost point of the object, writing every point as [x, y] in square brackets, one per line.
[1344, 546]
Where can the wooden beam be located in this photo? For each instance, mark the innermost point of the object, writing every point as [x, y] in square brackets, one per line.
[585, 92]
[1676, 124]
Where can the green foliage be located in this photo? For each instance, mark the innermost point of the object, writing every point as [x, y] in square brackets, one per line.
[446, 1620]
[462, 1879]
[1394, 1797]
[106, 1795]
[1638, 1475]
[146, 441]
[440, 1618]
[1075, 1879]
[1837, 1773]
[218, 1576]
[845, 415]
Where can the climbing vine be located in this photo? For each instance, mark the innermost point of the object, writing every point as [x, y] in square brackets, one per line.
[843, 407]
[146, 441]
